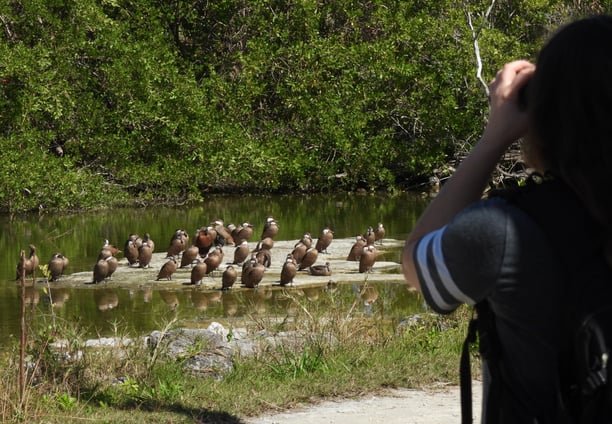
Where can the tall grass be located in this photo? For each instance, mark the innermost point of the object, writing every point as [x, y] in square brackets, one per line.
[322, 349]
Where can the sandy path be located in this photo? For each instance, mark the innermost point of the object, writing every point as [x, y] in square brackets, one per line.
[433, 406]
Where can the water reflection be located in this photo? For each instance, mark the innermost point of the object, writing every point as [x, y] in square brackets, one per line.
[141, 309]
[106, 299]
[144, 309]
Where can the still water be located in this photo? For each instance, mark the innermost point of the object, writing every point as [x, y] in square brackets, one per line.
[80, 237]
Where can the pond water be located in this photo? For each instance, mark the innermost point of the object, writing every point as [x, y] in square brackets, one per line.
[80, 237]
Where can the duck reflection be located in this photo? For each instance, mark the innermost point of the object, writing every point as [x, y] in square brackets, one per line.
[288, 303]
[199, 300]
[214, 296]
[230, 304]
[147, 295]
[170, 298]
[32, 296]
[312, 293]
[59, 297]
[369, 294]
[256, 302]
[106, 299]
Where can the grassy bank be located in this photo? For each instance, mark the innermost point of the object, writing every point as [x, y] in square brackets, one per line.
[343, 354]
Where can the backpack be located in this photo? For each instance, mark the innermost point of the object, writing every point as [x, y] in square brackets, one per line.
[587, 393]
[586, 377]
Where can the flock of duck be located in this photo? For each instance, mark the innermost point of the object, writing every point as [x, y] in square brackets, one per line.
[205, 254]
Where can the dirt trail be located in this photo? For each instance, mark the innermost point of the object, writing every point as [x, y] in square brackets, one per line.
[401, 406]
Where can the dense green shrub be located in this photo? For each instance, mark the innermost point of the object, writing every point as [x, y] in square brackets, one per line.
[106, 101]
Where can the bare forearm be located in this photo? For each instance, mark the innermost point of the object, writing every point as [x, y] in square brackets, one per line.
[506, 124]
[464, 187]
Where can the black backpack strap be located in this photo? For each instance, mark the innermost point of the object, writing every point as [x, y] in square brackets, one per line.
[483, 326]
[465, 373]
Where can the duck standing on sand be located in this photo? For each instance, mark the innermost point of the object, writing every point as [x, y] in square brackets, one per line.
[253, 275]
[205, 239]
[367, 259]
[379, 233]
[270, 228]
[241, 252]
[130, 249]
[198, 272]
[288, 271]
[145, 253]
[323, 242]
[243, 232]
[190, 255]
[356, 249]
[214, 259]
[177, 244]
[310, 257]
[167, 269]
[108, 250]
[100, 271]
[29, 265]
[56, 266]
[229, 277]
[224, 236]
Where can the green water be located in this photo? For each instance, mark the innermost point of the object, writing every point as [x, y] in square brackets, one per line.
[80, 237]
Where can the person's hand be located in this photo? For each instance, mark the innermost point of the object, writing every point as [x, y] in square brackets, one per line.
[507, 122]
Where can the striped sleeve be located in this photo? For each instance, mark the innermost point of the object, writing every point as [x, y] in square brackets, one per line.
[464, 261]
[440, 290]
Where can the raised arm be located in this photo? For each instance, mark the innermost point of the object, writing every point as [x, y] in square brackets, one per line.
[506, 124]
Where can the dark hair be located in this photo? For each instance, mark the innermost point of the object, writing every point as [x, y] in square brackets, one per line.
[570, 109]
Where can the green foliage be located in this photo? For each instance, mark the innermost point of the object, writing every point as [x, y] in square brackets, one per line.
[101, 102]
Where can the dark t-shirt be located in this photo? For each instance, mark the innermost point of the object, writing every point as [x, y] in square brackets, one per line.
[532, 264]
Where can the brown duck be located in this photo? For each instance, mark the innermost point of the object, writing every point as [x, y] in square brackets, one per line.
[321, 270]
[254, 274]
[243, 232]
[310, 257]
[264, 257]
[190, 255]
[270, 228]
[198, 272]
[288, 271]
[264, 243]
[29, 265]
[56, 266]
[100, 271]
[145, 253]
[205, 239]
[298, 252]
[367, 259]
[147, 239]
[224, 236]
[108, 250]
[167, 269]
[130, 249]
[356, 249]
[323, 242]
[214, 259]
[113, 263]
[229, 277]
[369, 236]
[177, 244]
[241, 252]
[306, 240]
[379, 233]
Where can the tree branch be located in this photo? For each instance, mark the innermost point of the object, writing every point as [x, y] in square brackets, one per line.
[475, 35]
